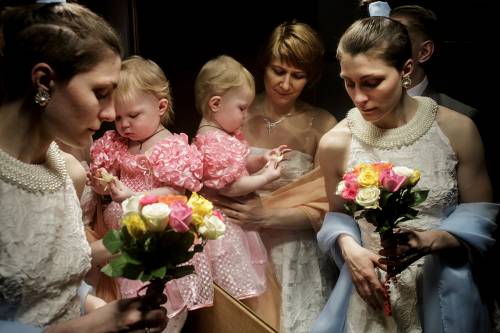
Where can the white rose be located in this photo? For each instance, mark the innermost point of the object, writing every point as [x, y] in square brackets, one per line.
[412, 175]
[131, 204]
[403, 171]
[368, 197]
[156, 215]
[212, 227]
[340, 187]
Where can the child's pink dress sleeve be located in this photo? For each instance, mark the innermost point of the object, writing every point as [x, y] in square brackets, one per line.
[105, 152]
[177, 163]
[224, 158]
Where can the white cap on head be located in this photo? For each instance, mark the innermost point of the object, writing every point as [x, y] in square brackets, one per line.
[379, 8]
[50, 1]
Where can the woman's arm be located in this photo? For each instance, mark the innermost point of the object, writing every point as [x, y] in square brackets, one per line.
[253, 215]
[323, 123]
[247, 184]
[116, 316]
[333, 154]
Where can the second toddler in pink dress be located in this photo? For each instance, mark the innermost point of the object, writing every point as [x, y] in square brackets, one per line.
[224, 90]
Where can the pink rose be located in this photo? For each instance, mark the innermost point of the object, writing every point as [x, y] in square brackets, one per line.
[350, 186]
[217, 213]
[180, 216]
[391, 181]
[349, 193]
[148, 200]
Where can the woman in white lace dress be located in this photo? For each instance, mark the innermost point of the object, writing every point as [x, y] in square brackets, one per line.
[291, 61]
[435, 291]
[60, 64]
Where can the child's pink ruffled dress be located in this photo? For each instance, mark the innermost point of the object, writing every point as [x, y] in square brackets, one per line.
[172, 162]
[239, 258]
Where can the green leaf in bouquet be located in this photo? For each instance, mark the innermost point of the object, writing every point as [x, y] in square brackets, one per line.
[350, 207]
[159, 272]
[132, 271]
[115, 267]
[385, 196]
[145, 276]
[113, 241]
[130, 258]
[418, 197]
[180, 271]
[149, 244]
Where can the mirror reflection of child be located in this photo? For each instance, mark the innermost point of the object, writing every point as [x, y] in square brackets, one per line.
[224, 90]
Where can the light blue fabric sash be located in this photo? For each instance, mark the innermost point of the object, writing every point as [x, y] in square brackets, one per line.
[451, 299]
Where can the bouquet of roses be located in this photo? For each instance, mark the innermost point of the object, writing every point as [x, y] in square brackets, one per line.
[158, 235]
[384, 195]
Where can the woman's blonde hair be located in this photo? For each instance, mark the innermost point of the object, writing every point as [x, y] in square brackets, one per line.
[296, 44]
[139, 74]
[218, 76]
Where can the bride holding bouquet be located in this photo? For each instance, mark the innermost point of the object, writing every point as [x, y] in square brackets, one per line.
[434, 291]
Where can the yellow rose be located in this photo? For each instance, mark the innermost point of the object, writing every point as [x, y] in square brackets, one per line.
[368, 176]
[135, 225]
[201, 207]
[415, 177]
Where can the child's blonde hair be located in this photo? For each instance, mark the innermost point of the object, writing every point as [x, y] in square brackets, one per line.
[144, 75]
[217, 77]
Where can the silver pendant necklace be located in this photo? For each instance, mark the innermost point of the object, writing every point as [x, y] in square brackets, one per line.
[270, 125]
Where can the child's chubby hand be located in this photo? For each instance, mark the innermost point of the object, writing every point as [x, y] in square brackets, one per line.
[101, 180]
[119, 191]
[277, 154]
[272, 170]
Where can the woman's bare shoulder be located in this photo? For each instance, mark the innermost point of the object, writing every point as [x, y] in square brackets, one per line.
[322, 120]
[454, 124]
[337, 137]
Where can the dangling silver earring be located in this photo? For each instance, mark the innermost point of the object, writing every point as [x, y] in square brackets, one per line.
[42, 97]
[406, 81]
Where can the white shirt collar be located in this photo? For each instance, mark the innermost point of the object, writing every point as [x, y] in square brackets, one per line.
[419, 89]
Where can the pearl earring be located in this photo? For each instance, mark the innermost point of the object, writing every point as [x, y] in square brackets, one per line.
[42, 97]
[406, 81]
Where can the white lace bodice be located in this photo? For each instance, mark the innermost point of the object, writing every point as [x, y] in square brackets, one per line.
[299, 265]
[432, 154]
[43, 251]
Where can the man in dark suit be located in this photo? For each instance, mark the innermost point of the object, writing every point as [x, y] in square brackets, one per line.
[422, 25]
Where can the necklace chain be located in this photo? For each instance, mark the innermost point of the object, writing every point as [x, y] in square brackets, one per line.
[270, 125]
[141, 142]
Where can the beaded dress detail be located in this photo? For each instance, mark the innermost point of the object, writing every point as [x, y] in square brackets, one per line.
[171, 162]
[43, 251]
[300, 267]
[408, 145]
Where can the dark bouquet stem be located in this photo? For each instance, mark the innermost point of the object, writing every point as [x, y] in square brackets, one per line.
[388, 241]
[153, 291]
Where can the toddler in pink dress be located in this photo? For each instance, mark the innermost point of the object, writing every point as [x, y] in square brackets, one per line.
[144, 157]
[224, 90]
